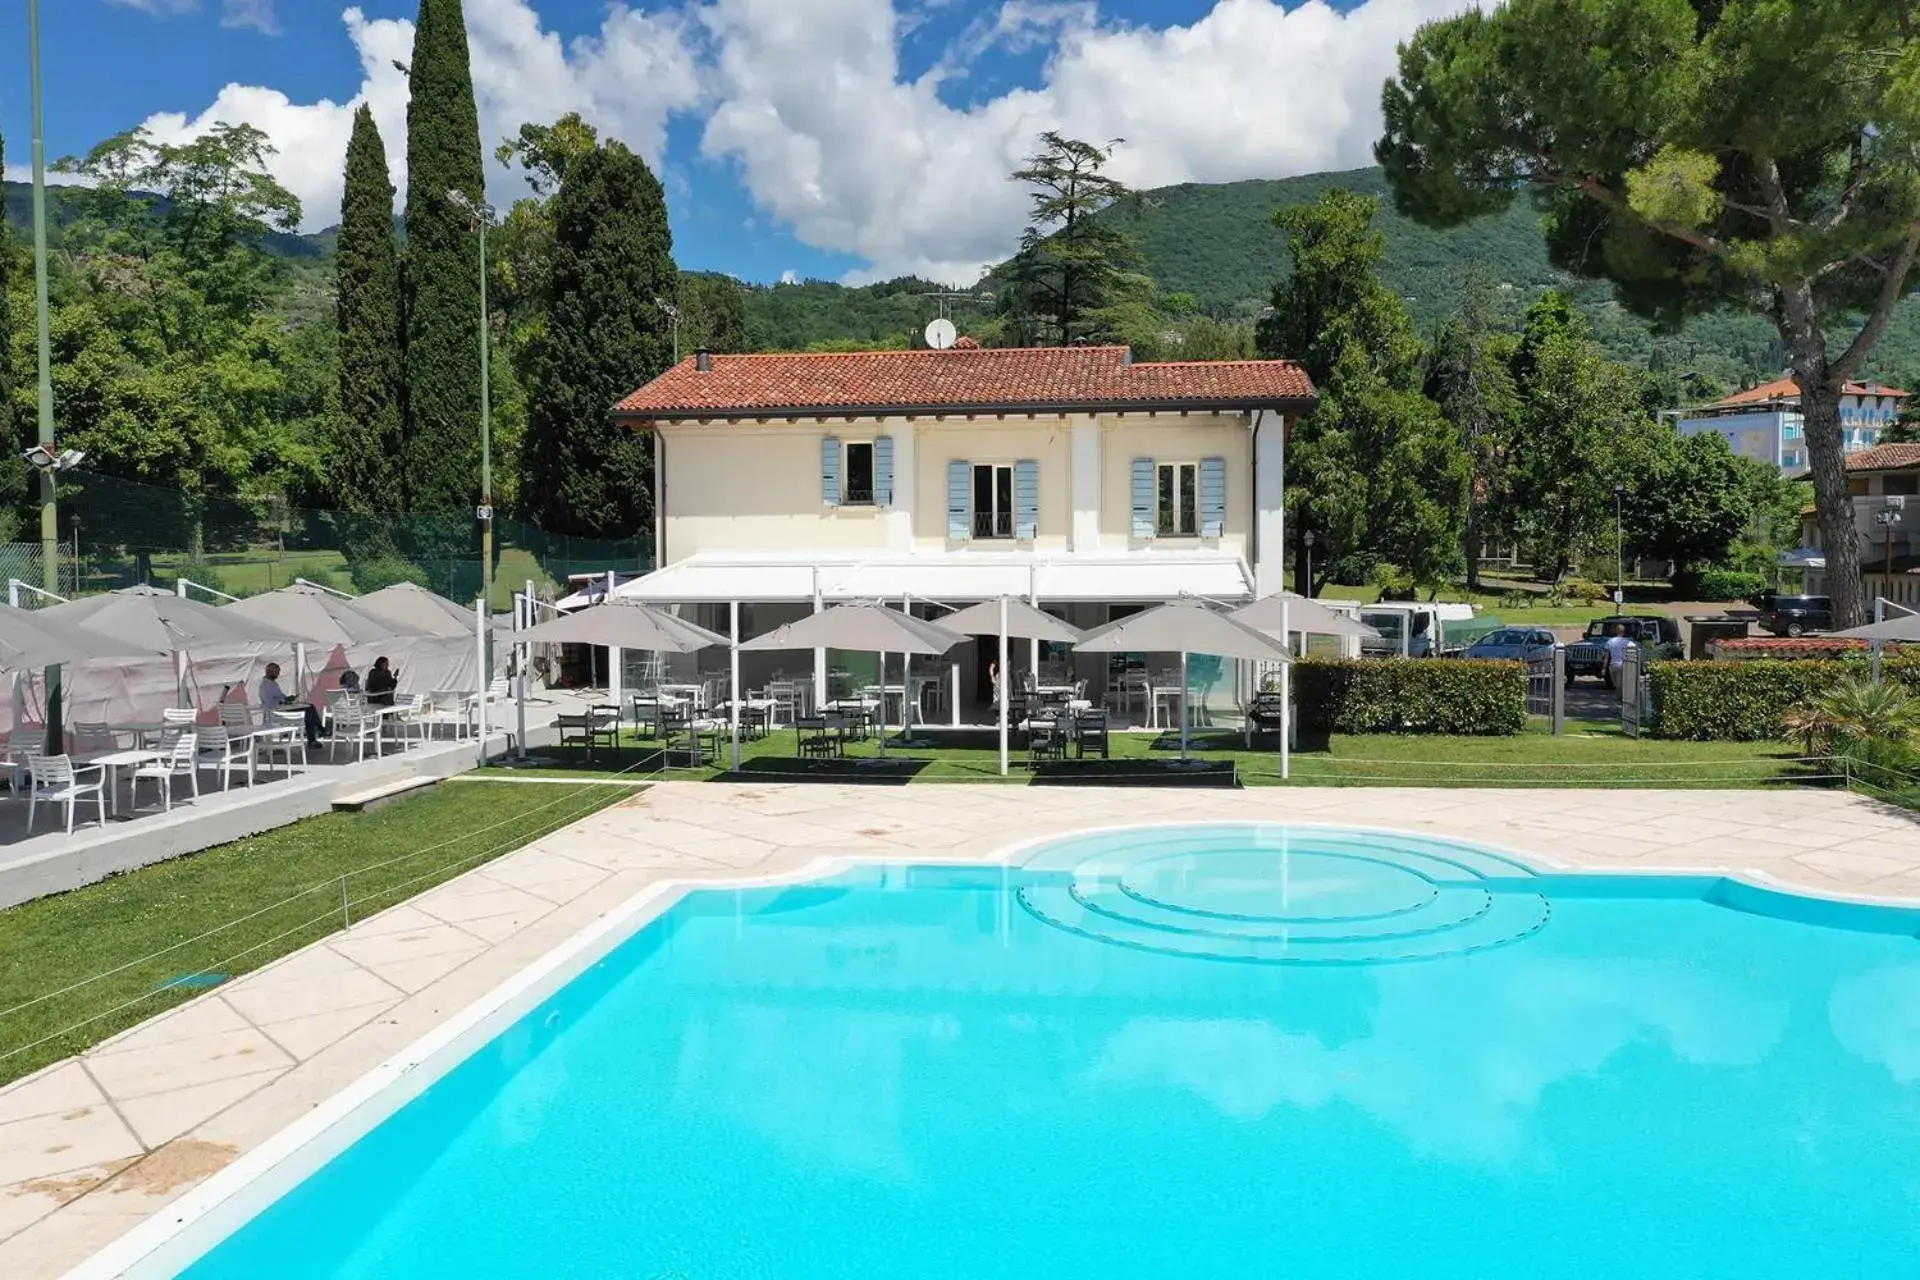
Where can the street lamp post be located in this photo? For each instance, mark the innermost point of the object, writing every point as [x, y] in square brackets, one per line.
[673, 318]
[1306, 541]
[49, 519]
[1887, 518]
[1619, 549]
[482, 214]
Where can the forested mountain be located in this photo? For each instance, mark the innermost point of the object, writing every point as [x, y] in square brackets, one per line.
[1216, 244]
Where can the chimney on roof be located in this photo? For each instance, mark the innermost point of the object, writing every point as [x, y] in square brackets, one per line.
[703, 360]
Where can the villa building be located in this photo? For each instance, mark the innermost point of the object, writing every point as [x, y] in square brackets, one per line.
[1765, 422]
[1885, 483]
[1071, 477]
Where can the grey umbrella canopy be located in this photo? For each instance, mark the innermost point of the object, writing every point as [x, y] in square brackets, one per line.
[315, 616]
[1905, 627]
[413, 610]
[1022, 620]
[1184, 627]
[1008, 618]
[1307, 617]
[863, 628]
[624, 624]
[30, 639]
[161, 622]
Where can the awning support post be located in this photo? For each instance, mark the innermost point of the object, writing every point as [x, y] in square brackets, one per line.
[1000, 686]
[733, 633]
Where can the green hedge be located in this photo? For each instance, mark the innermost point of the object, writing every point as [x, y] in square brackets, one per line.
[1730, 584]
[1742, 700]
[1411, 695]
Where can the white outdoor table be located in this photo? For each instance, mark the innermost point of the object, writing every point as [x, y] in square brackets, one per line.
[112, 762]
[254, 737]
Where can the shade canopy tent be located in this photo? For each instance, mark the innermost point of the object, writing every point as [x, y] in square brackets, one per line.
[1903, 628]
[864, 628]
[1009, 619]
[1188, 627]
[1290, 614]
[316, 616]
[411, 609]
[624, 624]
[162, 622]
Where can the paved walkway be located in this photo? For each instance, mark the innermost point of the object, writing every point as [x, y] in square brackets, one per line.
[90, 1146]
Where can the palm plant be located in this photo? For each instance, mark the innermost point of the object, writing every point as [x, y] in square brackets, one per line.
[1855, 710]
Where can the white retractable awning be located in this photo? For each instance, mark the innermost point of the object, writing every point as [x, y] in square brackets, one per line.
[953, 577]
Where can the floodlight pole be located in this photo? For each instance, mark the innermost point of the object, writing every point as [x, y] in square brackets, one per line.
[49, 519]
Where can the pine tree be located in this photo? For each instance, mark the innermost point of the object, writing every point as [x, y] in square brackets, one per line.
[365, 470]
[606, 333]
[442, 267]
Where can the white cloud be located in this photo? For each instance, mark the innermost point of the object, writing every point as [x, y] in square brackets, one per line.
[789, 276]
[829, 138]
[258, 14]
[626, 79]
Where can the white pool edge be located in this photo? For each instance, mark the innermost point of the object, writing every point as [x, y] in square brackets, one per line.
[178, 1235]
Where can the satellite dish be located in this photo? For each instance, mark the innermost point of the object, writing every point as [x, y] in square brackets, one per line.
[940, 334]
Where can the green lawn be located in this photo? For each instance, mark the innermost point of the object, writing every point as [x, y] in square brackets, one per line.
[1590, 754]
[77, 967]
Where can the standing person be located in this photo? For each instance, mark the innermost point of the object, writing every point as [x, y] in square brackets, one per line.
[1617, 645]
[381, 682]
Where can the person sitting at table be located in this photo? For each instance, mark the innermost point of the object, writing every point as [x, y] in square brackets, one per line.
[272, 698]
[381, 682]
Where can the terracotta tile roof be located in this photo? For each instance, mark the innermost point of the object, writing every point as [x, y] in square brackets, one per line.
[1785, 389]
[1048, 379]
[1885, 457]
[1789, 647]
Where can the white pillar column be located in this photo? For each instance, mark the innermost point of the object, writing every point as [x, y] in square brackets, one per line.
[733, 653]
[1286, 696]
[1001, 691]
[1269, 501]
[819, 655]
[1083, 533]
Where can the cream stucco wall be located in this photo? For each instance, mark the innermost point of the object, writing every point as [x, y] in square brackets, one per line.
[747, 487]
[1045, 440]
[1172, 438]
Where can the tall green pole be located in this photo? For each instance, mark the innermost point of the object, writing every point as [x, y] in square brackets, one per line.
[49, 519]
[486, 429]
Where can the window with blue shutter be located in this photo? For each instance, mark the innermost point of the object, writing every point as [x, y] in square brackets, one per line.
[1026, 499]
[1143, 509]
[959, 501]
[830, 471]
[883, 471]
[1213, 497]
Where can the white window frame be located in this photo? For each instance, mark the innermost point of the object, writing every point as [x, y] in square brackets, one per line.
[846, 473]
[999, 519]
[1163, 527]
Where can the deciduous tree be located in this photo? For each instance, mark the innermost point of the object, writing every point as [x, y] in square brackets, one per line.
[1761, 155]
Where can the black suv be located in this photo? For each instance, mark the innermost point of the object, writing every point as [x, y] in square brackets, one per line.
[1795, 615]
[1657, 635]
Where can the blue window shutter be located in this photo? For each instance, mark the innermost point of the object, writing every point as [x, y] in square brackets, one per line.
[1026, 499]
[1213, 497]
[883, 471]
[959, 500]
[1143, 497]
[830, 471]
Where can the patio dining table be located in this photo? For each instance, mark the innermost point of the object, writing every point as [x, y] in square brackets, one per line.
[111, 762]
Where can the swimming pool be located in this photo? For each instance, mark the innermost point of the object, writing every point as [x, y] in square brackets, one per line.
[1202, 1051]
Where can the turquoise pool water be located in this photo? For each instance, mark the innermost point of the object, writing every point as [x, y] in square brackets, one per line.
[1198, 1052]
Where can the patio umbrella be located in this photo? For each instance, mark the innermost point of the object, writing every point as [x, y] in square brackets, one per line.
[32, 639]
[1905, 627]
[864, 628]
[1186, 627]
[1285, 611]
[161, 621]
[315, 615]
[1008, 618]
[411, 609]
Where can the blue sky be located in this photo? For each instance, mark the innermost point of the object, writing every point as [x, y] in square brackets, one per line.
[830, 138]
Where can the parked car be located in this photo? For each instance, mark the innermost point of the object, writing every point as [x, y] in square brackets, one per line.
[1657, 635]
[1797, 615]
[1513, 644]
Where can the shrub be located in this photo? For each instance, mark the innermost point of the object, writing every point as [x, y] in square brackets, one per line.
[1431, 695]
[1587, 591]
[1744, 700]
[1730, 584]
[371, 575]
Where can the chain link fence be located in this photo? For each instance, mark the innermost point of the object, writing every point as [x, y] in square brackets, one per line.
[116, 533]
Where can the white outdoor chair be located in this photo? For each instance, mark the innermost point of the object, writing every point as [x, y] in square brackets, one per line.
[23, 751]
[410, 716]
[285, 747]
[352, 720]
[57, 779]
[449, 707]
[92, 739]
[180, 715]
[237, 717]
[220, 750]
[180, 762]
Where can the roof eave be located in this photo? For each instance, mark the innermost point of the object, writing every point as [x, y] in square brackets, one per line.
[1238, 404]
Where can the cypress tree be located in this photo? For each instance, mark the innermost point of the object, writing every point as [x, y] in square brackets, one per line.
[365, 467]
[605, 335]
[7, 436]
[442, 267]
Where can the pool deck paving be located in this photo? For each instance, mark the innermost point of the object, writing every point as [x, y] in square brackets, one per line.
[91, 1146]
